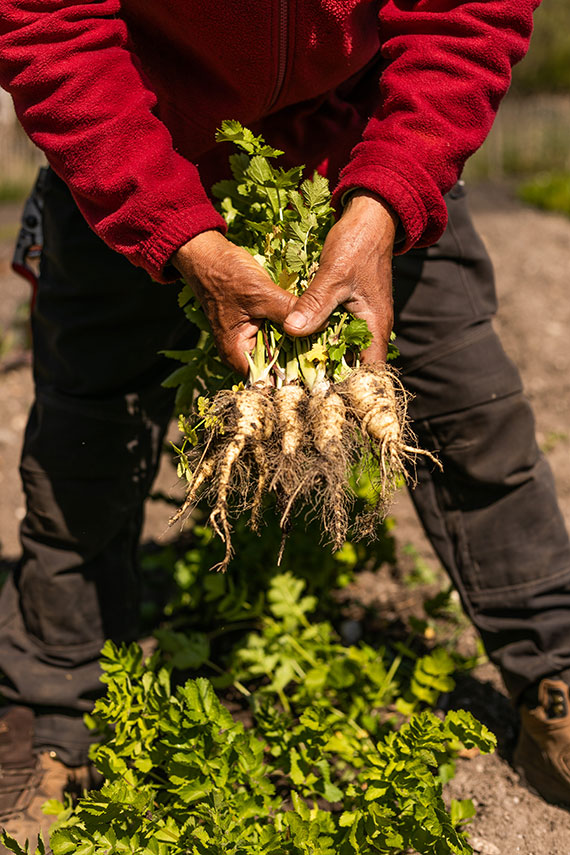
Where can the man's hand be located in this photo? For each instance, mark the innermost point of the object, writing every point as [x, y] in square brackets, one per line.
[355, 271]
[234, 291]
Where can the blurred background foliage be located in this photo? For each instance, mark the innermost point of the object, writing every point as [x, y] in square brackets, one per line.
[529, 145]
[547, 65]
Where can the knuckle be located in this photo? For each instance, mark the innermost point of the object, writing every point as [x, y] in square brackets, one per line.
[318, 301]
[311, 300]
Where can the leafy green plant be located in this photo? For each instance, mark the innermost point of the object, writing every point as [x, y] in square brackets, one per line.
[302, 662]
[271, 631]
[546, 68]
[549, 190]
[323, 757]
[14, 191]
[193, 597]
[290, 661]
[552, 439]
[183, 777]
[421, 573]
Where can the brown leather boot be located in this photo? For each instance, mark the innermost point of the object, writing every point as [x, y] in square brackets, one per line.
[542, 755]
[28, 780]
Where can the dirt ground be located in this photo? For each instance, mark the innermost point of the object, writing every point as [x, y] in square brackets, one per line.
[531, 251]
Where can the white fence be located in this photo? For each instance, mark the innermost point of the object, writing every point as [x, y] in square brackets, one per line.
[19, 158]
[529, 135]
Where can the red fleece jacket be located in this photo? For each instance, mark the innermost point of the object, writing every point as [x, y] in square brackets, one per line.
[124, 97]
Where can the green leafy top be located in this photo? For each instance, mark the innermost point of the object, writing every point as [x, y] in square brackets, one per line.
[271, 212]
[282, 220]
[184, 778]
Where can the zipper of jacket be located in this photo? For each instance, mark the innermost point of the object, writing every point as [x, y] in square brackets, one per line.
[282, 43]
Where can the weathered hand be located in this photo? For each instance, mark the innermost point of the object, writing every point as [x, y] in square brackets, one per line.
[234, 291]
[355, 271]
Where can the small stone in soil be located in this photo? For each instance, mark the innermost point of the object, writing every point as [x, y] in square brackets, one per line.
[483, 847]
[351, 631]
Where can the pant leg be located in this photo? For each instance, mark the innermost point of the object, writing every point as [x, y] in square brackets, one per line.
[90, 453]
[492, 514]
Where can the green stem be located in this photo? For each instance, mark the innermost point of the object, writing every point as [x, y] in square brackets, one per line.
[391, 673]
[284, 700]
[341, 323]
[232, 627]
[360, 731]
[303, 653]
[239, 686]
[395, 665]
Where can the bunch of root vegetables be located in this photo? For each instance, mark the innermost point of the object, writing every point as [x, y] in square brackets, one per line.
[310, 420]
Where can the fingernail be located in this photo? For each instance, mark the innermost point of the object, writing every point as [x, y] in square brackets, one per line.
[297, 320]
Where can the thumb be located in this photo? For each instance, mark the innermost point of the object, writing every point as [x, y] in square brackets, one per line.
[315, 305]
[273, 303]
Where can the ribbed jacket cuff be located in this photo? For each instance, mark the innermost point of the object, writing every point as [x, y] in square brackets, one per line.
[418, 204]
[155, 253]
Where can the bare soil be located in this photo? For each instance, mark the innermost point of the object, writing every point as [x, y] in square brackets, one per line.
[531, 252]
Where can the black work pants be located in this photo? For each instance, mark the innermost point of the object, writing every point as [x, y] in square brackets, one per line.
[94, 437]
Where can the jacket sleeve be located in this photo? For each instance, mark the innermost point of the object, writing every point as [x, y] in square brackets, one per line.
[82, 98]
[448, 65]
